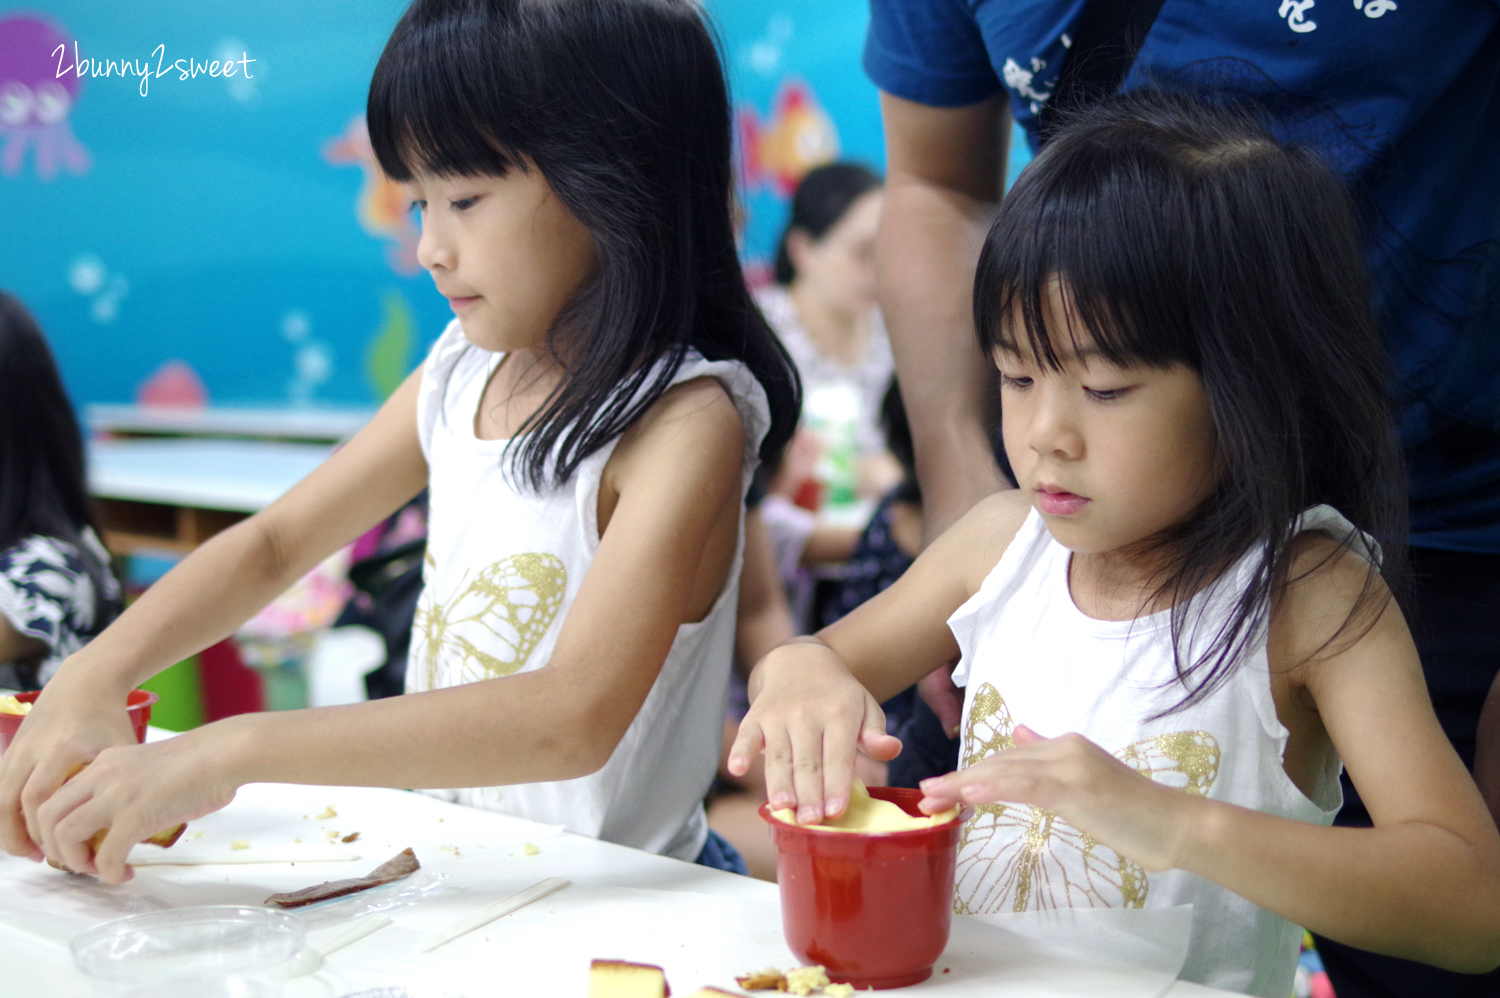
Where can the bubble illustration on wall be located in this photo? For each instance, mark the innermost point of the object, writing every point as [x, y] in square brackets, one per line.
[312, 361]
[242, 88]
[88, 276]
[34, 103]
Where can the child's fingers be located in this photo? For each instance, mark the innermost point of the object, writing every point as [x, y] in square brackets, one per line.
[14, 836]
[109, 860]
[62, 837]
[42, 786]
[778, 752]
[747, 741]
[840, 744]
[1025, 736]
[878, 745]
[807, 772]
[873, 741]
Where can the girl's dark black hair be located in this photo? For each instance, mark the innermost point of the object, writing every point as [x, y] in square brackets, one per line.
[1183, 232]
[622, 105]
[823, 197]
[43, 482]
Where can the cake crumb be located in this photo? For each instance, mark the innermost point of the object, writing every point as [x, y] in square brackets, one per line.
[298, 841]
[805, 980]
[530, 849]
[328, 812]
[769, 979]
[838, 990]
[350, 837]
[331, 834]
[239, 844]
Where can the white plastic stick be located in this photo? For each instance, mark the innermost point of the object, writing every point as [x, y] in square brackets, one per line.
[242, 860]
[488, 914]
[355, 933]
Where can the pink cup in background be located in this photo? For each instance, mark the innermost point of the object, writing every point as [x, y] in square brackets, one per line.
[137, 704]
[874, 910]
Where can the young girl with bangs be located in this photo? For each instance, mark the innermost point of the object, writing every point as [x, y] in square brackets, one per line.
[1193, 583]
[586, 428]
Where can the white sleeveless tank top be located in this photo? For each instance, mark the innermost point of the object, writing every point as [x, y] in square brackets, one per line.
[1030, 656]
[503, 567]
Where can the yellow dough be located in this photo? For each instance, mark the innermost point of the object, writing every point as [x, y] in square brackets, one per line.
[869, 816]
[10, 705]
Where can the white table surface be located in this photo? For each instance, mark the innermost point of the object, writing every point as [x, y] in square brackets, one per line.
[703, 926]
[240, 475]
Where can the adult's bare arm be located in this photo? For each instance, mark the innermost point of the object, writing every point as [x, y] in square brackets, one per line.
[1487, 753]
[945, 171]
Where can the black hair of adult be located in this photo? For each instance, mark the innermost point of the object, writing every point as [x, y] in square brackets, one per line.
[1183, 232]
[622, 105]
[43, 483]
[824, 196]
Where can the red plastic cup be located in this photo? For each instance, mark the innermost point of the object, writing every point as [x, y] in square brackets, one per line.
[137, 704]
[874, 910]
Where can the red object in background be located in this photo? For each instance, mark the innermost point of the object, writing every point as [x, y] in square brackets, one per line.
[229, 685]
[874, 910]
[809, 495]
[138, 703]
[175, 385]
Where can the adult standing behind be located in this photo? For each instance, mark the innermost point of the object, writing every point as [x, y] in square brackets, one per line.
[1404, 102]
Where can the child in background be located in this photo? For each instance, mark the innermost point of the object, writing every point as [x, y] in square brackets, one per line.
[1177, 630]
[56, 588]
[586, 429]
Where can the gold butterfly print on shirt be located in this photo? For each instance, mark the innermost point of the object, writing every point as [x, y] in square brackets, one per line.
[1015, 857]
[489, 626]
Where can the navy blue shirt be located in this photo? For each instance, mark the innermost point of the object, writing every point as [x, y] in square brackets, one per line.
[1403, 100]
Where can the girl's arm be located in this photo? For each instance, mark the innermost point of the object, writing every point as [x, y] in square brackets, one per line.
[203, 600]
[1423, 884]
[664, 556]
[816, 700]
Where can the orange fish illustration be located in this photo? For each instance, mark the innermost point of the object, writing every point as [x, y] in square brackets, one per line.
[799, 135]
[382, 207]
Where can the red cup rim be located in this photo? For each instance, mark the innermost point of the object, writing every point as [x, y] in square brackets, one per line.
[963, 815]
[135, 699]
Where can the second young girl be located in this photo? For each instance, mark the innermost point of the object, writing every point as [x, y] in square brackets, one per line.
[586, 428]
[1176, 631]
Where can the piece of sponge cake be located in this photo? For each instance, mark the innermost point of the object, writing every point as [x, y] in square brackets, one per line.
[621, 979]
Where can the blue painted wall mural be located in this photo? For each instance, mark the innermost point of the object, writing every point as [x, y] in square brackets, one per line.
[189, 204]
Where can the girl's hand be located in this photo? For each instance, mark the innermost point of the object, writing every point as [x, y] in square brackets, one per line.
[134, 791]
[1076, 779]
[810, 716]
[70, 723]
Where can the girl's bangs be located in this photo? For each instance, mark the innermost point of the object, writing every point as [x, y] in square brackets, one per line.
[424, 110]
[1078, 259]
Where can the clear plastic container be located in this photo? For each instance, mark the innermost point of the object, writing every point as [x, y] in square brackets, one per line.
[218, 951]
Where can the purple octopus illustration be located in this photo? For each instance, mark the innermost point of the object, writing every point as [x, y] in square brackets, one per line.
[34, 102]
